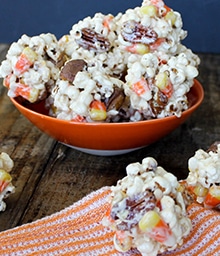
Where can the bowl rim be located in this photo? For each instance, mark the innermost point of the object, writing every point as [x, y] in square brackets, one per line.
[196, 85]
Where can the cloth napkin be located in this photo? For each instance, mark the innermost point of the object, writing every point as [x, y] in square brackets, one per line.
[77, 230]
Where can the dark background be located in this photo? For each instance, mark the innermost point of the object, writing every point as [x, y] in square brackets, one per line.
[17, 17]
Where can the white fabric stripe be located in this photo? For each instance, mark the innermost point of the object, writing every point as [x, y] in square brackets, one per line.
[93, 206]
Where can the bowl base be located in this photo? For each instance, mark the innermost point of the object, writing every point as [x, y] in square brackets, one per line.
[98, 152]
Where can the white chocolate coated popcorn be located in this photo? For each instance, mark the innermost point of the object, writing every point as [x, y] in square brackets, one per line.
[147, 196]
[203, 181]
[158, 69]
[204, 168]
[6, 187]
[30, 66]
[135, 67]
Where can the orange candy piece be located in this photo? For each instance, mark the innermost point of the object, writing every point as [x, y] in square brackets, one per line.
[140, 87]
[212, 199]
[23, 64]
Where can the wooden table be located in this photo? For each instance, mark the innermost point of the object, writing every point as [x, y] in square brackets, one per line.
[49, 176]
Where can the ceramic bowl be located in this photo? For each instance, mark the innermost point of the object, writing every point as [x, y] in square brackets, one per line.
[108, 138]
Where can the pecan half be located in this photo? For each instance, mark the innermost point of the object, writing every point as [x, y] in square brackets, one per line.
[135, 32]
[71, 68]
[91, 40]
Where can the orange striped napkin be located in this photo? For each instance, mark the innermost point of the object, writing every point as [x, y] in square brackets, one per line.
[77, 230]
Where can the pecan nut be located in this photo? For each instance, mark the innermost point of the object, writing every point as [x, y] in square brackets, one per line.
[135, 32]
[91, 40]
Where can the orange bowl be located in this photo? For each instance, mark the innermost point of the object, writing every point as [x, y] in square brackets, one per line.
[108, 138]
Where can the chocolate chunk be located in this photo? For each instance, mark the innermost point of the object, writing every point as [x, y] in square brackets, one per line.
[71, 68]
[116, 100]
[135, 32]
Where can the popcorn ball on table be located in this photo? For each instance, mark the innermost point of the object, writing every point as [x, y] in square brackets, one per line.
[6, 187]
[32, 66]
[203, 181]
[147, 211]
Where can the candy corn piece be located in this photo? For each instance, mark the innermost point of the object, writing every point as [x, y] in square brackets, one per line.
[150, 10]
[25, 60]
[97, 111]
[155, 226]
[138, 49]
[212, 199]
[28, 93]
[5, 179]
[163, 83]
[140, 87]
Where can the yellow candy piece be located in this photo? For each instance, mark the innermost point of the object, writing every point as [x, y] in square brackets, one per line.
[142, 49]
[200, 191]
[161, 80]
[97, 114]
[149, 221]
[171, 16]
[30, 54]
[149, 10]
[5, 176]
[5, 179]
[33, 95]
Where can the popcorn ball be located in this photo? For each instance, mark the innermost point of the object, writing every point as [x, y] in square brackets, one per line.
[6, 187]
[147, 211]
[157, 84]
[32, 66]
[203, 181]
[151, 27]
[139, 52]
[94, 39]
[124, 68]
[83, 93]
